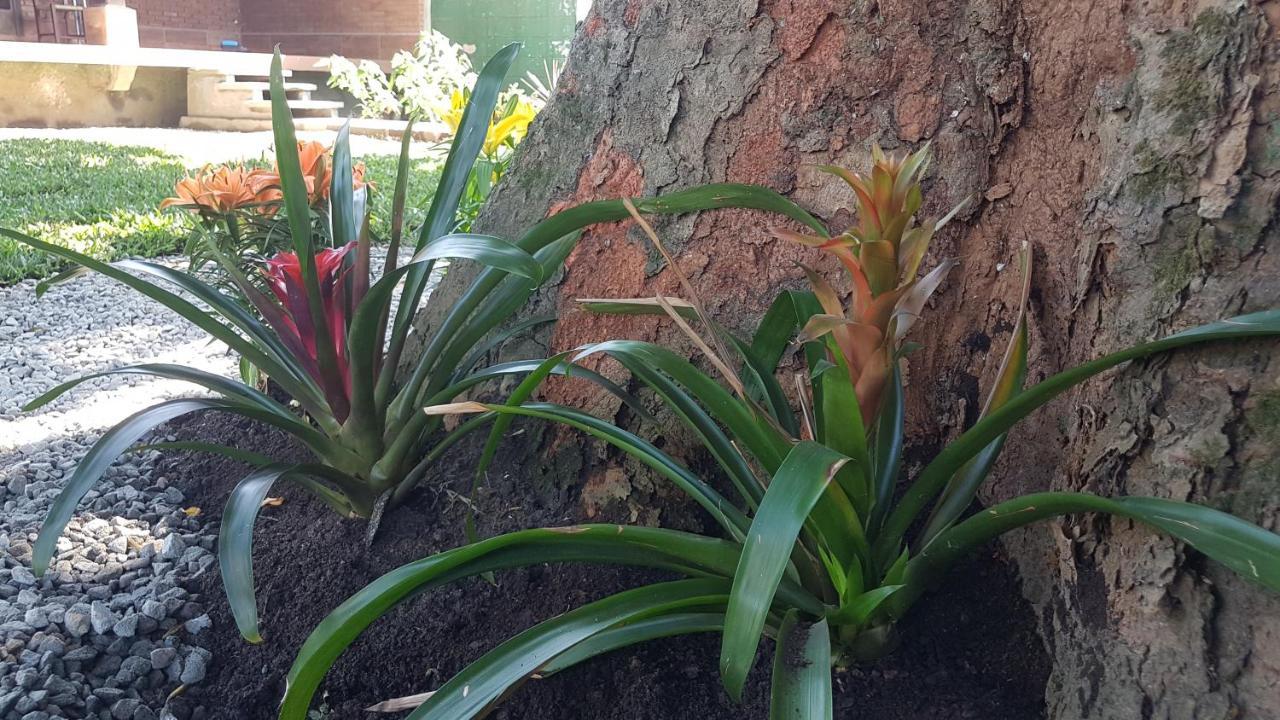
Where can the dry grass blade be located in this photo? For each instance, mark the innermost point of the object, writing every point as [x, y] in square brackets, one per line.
[720, 351]
[458, 408]
[730, 376]
[803, 392]
[400, 704]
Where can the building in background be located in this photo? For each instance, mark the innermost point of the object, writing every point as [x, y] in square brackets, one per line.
[202, 63]
[373, 29]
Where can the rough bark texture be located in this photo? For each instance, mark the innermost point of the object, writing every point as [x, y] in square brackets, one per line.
[1136, 144]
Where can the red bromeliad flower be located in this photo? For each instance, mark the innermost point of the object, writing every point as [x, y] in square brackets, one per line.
[295, 326]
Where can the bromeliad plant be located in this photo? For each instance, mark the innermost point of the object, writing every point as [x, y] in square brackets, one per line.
[819, 551]
[326, 336]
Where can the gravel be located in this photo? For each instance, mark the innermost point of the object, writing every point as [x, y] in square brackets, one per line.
[79, 642]
[110, 631]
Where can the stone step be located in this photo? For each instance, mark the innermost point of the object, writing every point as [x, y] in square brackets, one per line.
[301, 108]
[264, 86]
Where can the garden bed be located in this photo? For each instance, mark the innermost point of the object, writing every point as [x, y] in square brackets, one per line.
[968, 651]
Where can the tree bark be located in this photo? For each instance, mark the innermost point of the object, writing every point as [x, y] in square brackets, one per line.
[1135, 145]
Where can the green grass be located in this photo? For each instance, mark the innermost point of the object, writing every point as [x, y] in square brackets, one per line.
[424, 174]
[102, 200]
[96, 198]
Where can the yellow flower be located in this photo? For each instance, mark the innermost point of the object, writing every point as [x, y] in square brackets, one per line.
[510, 127]
[513, 126]
[452, 115]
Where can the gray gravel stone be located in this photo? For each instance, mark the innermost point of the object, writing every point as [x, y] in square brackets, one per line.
[127, 627]
[161, 657]
[101, 617]
[23, 576]
[197, 625]
[194, 667]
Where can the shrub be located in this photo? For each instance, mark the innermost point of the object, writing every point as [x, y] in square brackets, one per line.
[819, 551]
[324, 332]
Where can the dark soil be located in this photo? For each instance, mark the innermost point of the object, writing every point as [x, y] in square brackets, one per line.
[970, 650]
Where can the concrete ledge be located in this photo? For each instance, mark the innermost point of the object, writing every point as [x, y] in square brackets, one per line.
[384, 129]
[234, 63]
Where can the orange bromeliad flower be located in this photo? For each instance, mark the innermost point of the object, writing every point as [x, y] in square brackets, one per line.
[215, 191]
[882, 255]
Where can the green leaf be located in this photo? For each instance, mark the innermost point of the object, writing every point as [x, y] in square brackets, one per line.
[104, 452]
[231, 390]
[397, 236]
[963, 486]
[342, 200]
[495, 341]
[789, 312]
[297, 205]
[1250, 551]
[245, 456]
[502, 424]
[723, 511]
[197, 316]
[840, 428]
[441, 217]
[473, 315]
[646, 547]
[887, 460]
[801, 687]
[796, 487]
[634, 633]
[758, 379]
[67, 275]
[574, 219]
[124, 435]
[492, 251]
[758, 437]
[366, 421]
[235, 546]
[858, 610]
[935, 476]
[482, 683]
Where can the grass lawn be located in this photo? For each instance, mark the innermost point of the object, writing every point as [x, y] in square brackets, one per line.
[101, 199]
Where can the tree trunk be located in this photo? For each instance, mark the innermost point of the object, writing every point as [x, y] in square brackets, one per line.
[1135, 145]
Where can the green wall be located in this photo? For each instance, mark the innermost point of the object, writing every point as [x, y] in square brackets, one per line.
[543, 26]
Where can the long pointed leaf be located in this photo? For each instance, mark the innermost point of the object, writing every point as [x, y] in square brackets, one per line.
[187, 310]
[723, 511]
[472, 691]
[634, 633]
[235, 546]
[887, 460]
[229, 389]
[801, 671]
[342, 201]
[646, 547]
[297, 207]
[1250, 551]
[572, 220]
[463, 151]
[935, 476]
[801, 480]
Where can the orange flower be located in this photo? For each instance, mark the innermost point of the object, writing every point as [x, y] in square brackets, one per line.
[316, 161]
[215, 191]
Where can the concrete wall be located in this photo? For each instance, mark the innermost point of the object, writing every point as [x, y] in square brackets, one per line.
[64, 95]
